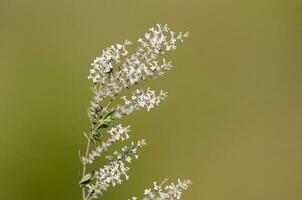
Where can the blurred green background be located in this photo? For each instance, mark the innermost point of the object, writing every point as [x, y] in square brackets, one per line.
[231, 122]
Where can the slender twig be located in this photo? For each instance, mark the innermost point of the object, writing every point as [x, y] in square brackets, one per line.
[84, 166]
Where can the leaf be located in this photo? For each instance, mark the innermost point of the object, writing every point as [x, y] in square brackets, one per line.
[107, 121]
[104, 126]
[108, 114]
[86, 179]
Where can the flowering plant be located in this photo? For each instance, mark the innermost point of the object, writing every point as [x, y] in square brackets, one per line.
[110, 76]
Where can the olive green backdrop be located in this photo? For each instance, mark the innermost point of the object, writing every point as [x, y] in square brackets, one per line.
[231, 122]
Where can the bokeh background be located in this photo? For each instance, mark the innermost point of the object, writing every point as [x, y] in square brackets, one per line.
[231, 122]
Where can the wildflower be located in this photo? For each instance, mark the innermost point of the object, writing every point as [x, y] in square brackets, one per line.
[117, 133]
[111, 174]
[104, 64]
[111, 73]
[139, 99]
[168, 192]
[143, 63]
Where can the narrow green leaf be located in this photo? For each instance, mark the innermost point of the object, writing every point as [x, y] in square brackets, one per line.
[86, 179]
[108, 114]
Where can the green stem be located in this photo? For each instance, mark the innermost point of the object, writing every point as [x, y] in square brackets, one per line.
[84, 166]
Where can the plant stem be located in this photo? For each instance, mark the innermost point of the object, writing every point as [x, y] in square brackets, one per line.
[84, 166]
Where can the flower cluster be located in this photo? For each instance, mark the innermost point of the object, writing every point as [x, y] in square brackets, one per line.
[111, 74]
[112, 173]
[139, 99]
[168, 192]
[128, 152]
[108, 175]
[143, 63]
[117, 133]
[104, 64]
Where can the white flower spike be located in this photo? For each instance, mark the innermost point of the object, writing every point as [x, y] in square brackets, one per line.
[114, 71]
